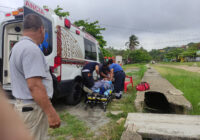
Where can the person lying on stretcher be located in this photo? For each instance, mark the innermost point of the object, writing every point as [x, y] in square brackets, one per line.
[103, 87]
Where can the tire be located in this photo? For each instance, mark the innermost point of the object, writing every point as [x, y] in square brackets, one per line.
[74, 97]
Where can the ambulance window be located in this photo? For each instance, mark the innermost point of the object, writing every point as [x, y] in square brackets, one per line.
[90, 50]
[101, 59]
[46, 46]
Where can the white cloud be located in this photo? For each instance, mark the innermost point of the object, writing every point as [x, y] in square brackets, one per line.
[157, 23]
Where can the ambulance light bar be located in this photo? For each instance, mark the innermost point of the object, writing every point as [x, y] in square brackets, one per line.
[15, 13]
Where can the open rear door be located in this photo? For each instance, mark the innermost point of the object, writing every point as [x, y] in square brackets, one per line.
[12, 32]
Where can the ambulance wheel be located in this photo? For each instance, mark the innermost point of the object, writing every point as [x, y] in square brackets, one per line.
[74, 97]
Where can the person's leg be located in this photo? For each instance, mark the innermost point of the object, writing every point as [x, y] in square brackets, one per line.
[88, 79]
[123, 76]
[117, 85]
[35, 120]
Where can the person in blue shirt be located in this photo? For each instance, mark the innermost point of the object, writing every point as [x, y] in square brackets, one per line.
[119, 75]
[87, 73]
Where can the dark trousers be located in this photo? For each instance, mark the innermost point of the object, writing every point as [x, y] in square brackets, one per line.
[88, 80]
[119, 81]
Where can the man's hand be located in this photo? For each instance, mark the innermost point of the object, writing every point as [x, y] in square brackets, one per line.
[39, 94]
[53, 119]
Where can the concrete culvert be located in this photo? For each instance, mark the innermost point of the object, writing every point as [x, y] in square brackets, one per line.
[156, 102]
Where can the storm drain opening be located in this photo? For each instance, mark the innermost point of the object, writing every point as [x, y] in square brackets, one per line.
[156, 102]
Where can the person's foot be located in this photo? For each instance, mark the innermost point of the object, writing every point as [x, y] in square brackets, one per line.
[118, 95]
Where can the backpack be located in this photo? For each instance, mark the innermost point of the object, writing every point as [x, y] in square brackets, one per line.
[143, 86]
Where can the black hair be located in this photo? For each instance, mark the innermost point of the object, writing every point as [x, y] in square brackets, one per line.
[33, 22]
[105, 64]
[110, 61]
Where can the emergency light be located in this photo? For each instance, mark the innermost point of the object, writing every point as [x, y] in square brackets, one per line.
[67, 23]
[15, 13]
[77, 32]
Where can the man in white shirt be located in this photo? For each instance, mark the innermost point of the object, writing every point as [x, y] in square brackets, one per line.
[31, 81]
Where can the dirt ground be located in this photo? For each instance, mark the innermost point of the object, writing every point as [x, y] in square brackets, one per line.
[184, 67]
[95, 117]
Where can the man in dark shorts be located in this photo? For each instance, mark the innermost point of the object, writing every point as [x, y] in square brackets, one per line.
[119, 75]
[87, 73]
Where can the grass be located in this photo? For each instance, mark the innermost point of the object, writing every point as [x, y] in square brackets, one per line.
[125, 67]
[182, 63]
[113, 131]
[74, 128]
[187, 82]
[71, 127]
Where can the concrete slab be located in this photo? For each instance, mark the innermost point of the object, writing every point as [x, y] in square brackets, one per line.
[164, 126]
[158, 84]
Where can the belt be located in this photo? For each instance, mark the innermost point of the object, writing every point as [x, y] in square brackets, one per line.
[25, 101]
[86, 70]
[118, 71]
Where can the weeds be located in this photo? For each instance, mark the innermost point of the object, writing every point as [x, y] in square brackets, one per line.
[187, 82]
[71, 127]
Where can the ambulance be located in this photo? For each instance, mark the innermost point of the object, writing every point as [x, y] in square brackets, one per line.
[66, 47]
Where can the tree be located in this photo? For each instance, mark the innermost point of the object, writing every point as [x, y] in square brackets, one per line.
[94, 29]
[133, 42]
[59, 13]
[140, 56]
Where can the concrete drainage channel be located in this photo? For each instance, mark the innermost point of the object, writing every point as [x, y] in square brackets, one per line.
[164, 109]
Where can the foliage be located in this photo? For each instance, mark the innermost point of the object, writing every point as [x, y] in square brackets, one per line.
[106, 52]
[93, 29]
[58, 11]
[133, 42]
[157, 55]
[174, 53]
[140, 56]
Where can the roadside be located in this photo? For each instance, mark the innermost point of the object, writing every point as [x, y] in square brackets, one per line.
[186, 81]
[184, 67]
[94, 123]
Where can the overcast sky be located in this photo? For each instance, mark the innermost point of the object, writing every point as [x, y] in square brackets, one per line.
[157, 23]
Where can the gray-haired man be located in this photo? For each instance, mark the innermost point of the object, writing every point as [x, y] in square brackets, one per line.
[31, 81]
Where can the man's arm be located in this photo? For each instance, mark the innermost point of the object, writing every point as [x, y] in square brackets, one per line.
[39, 94]
[111, 74]
[103, 75]
[97, 69]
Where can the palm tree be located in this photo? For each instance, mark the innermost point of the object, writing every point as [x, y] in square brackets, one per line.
[133, 42]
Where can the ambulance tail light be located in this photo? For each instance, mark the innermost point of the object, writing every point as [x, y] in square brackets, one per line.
[56, 69]
[67, 23]
[77, 32]
[8, 14]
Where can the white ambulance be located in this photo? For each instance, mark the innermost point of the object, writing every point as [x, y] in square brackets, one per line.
[67, 49]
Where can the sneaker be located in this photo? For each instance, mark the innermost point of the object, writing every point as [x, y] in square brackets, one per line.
[118, 97]
[121, 92]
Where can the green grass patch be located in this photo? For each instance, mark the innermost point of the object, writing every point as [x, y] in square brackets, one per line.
[128, 66]
[113, 131]
[71, 126]
[182, 63]
[74, 128]
[187, 82]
